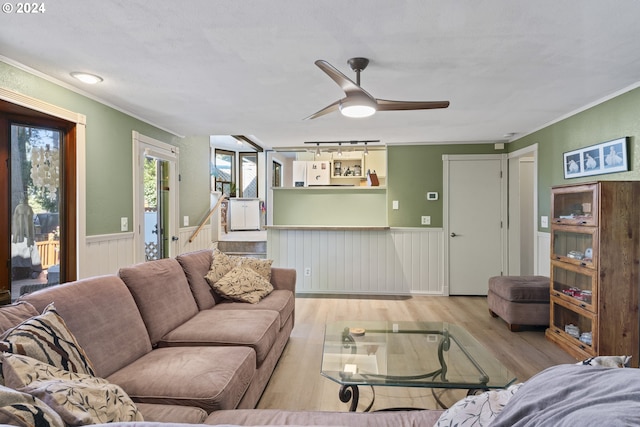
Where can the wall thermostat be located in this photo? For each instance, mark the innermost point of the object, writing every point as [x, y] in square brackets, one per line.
[432, 195]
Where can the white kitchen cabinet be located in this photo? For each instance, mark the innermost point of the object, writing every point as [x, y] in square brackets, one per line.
[244, 214]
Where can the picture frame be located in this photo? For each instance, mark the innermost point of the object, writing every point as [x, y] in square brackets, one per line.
[605, 157]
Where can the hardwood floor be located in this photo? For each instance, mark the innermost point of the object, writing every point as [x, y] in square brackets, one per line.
[297, 384]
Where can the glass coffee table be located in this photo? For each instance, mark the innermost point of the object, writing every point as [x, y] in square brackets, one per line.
[435, 355]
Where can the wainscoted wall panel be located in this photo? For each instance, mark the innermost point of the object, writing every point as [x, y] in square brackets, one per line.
[544, 253]
[201, 241]
[106, 253]
[387, 261]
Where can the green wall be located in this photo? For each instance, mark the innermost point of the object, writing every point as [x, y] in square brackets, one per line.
[610, 120]
[330, 206]
[109, 152]
[414, 170]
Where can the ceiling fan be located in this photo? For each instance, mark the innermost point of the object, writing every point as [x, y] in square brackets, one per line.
[358, 102]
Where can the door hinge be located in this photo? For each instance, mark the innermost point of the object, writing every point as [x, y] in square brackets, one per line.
[179, 177]
[500, 174]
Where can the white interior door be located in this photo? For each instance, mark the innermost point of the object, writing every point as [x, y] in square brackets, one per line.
[475, 208]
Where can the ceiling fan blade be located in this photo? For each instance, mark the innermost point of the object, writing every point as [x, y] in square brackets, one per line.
[347, 85]
[387, 105]
[326, 110]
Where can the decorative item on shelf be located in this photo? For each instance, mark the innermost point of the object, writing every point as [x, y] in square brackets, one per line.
[337, 168]
[357, 170]
[575, 255]
[572, 330]
[372, 179]
[588, 254]
[586, 337]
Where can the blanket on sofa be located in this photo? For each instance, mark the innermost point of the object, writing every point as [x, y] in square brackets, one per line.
[574, 395]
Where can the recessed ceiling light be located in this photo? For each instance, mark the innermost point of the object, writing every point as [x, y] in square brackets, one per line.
[87, 78]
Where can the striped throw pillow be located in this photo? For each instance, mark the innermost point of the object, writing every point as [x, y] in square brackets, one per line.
[48, 339]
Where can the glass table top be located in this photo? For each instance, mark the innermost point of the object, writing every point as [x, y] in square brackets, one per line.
[409, 354]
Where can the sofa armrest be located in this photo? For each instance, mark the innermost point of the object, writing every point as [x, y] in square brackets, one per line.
[283, 278]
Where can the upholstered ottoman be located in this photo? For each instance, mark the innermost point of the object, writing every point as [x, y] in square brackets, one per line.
[519, 300]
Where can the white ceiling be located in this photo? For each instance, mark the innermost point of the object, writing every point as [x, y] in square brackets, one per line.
[246, 67]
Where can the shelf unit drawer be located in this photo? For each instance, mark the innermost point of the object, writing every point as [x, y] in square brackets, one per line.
[564, 314]
[575, 245]
[575, 205]
[575, 285]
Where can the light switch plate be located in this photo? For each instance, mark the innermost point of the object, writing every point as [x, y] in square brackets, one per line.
[425, 220]
[185, 221]
[544, 221]
[395, 204]
[124, 224]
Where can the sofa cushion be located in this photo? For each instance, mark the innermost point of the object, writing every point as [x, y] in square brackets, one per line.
[153, 412]
[195, 266]
[22, 409]
[210, 378]
[162, 294]
[525, 289]
[281, 301]
[13, 314]
[263, 417]
[103, 317]
[47, 338]
[244, 285]
[79, 399]
[257, 329]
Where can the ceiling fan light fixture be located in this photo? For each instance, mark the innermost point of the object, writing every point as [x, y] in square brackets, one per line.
[358, 107]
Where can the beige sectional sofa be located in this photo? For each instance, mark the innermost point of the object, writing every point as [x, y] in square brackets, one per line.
[157, 330]
[179, 351]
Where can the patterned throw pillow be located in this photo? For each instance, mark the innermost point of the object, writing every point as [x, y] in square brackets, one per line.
[223, 263]
[47, 338]
[244, 285]
[22, 409]
[79, 399]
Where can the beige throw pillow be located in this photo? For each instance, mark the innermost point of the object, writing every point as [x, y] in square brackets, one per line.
[223, 263]
[79, 399]
[243, 284]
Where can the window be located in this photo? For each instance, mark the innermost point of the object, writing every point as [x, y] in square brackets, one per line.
[249, 175]
[223, 172]
[276, 180]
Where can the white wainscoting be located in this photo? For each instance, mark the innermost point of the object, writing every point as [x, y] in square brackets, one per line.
[201, 241]
[544, 253]
[396, 261]
[105, 254]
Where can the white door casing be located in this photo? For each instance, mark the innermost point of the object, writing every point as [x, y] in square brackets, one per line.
[475, 211]
[145, 146]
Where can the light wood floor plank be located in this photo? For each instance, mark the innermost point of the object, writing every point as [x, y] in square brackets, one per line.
[296, 383]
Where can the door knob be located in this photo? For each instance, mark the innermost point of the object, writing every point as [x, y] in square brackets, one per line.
[453, 234]
[174, 238]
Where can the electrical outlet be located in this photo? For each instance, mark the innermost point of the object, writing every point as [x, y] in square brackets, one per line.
[124, 224]
[426, 220]
[307, 271]
[185, 221]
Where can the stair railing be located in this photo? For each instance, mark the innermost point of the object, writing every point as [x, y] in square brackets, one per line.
[206, 218]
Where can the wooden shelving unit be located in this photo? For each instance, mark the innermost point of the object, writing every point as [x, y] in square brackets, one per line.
[595, 269]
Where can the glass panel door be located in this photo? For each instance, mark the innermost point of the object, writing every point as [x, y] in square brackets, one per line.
[249, 175]
[35, 208]
[156, 205]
